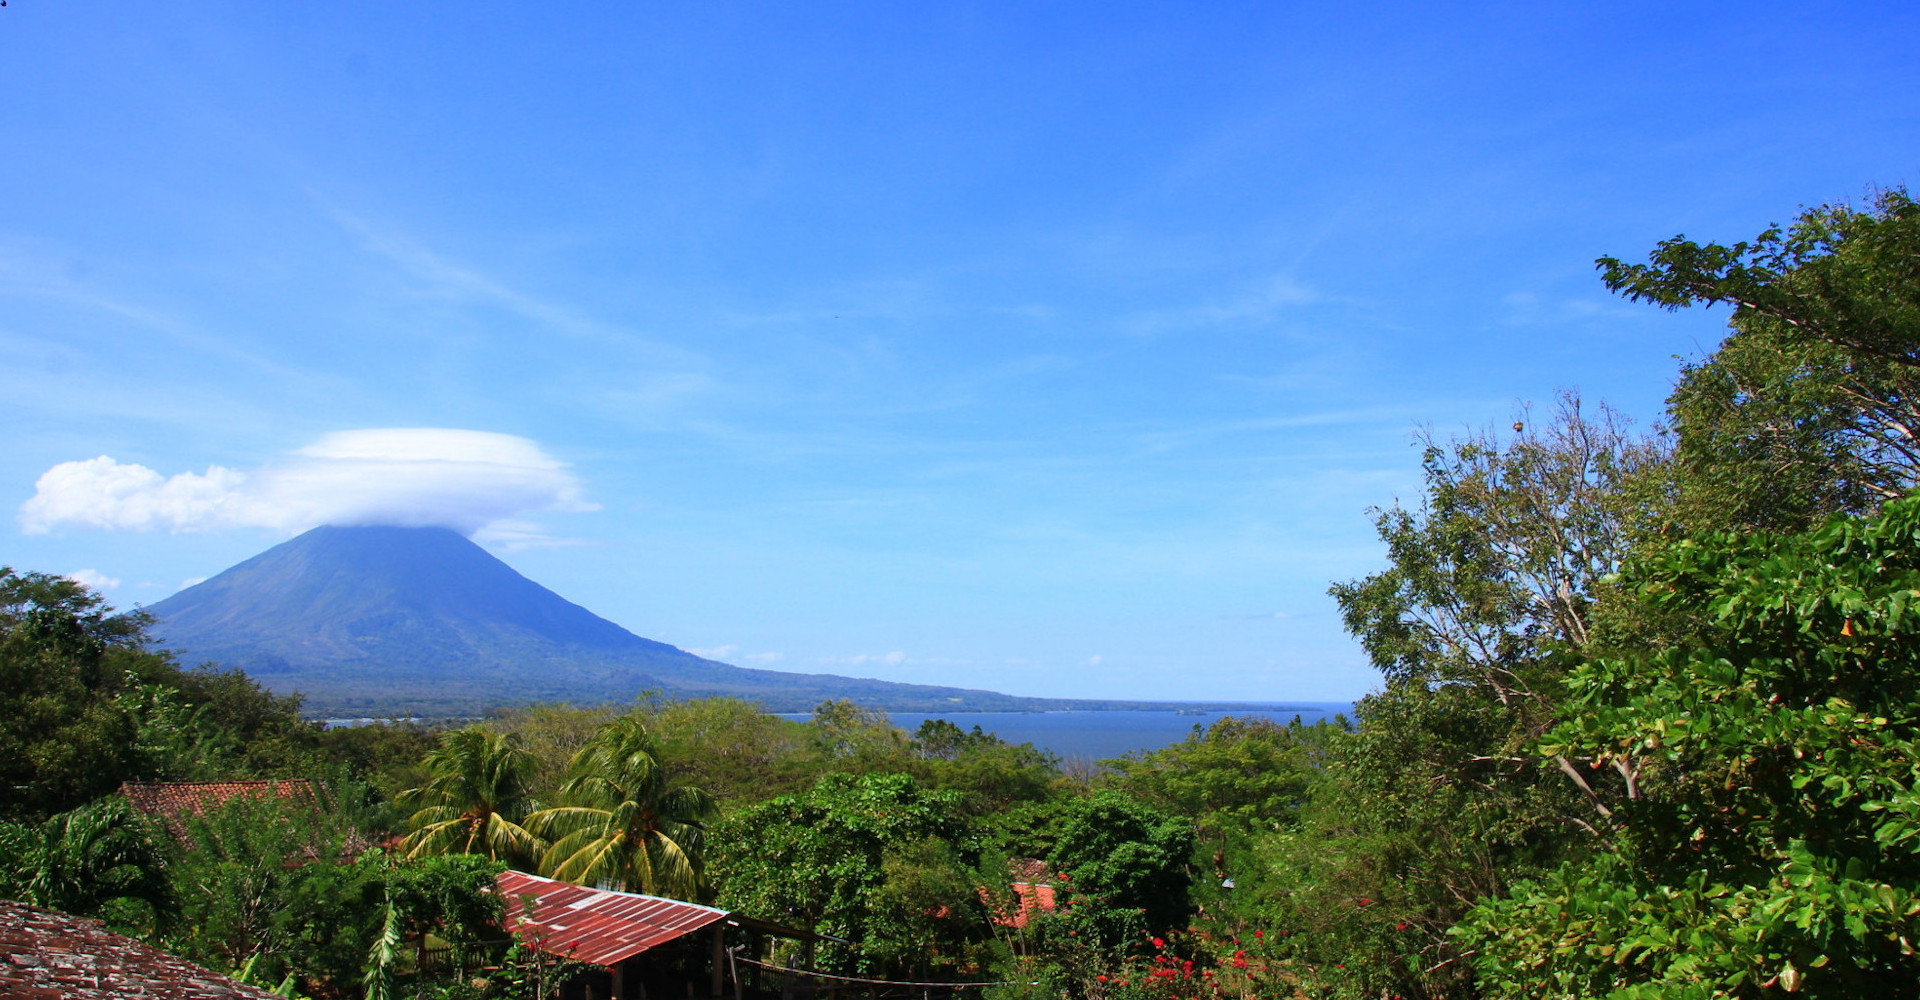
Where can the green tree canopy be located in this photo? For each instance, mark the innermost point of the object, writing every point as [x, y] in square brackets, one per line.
[1762, 798]
[1237, 774]
[870, 859]
[1125, 865]
[1811, 405]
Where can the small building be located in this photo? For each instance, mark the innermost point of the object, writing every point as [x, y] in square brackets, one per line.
[173, 802]
[1033, 893]
[645, 947]
[49, 955]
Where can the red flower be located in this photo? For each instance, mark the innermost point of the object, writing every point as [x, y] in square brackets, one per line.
[1257, 935]
[1158, 943]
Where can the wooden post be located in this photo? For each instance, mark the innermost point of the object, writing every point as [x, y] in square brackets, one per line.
[719, 957]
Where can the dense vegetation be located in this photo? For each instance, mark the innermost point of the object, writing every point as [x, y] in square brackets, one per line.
[1648, 726]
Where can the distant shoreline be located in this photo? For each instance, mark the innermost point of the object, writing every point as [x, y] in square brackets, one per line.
[1197, 709]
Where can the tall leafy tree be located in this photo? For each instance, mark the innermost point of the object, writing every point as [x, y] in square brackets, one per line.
[1125, 869]
[1764, 831]
[992, 773]
[1236, 775]
[85, 705]
[63, 653]
[476, 799]
[1437, 800]
[22, 594]
[870, 859]
[622, 822]
[1811, 405]
[734, 749]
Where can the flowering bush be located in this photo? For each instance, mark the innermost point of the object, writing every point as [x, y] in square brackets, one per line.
[1233, 969]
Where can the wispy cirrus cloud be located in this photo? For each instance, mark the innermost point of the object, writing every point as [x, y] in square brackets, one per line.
[1259, 304]
[893, 658]
[731, 654]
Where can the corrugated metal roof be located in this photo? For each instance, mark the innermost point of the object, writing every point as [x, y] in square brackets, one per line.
[600, 926]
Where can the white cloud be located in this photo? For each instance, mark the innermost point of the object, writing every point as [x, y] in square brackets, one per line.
[93, 579]
[732, 654]
[467, 480]
[1258, 305]
[894, 658]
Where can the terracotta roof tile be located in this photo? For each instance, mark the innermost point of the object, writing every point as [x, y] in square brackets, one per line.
[173, 799]
[1033, 891]
[49, 954]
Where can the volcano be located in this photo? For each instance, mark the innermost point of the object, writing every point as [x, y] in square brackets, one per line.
[385, 621]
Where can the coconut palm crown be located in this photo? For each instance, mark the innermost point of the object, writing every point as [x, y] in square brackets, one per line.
[98, 859]
[623, 824]
[475, 800]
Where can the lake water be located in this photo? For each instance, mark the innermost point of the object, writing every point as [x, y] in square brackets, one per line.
[1097, 735]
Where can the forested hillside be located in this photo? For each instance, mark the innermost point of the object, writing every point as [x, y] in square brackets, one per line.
[1646, 727]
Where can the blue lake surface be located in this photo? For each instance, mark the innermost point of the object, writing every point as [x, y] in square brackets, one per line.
[1096, 735]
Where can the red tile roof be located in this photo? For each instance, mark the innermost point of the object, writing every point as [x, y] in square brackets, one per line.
[1032, 890]
[1033, 899]
[172, 799]
[595, 925]
[1032, 870]
[172, 802]
[48, 955]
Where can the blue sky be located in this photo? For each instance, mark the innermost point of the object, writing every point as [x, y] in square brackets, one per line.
[1052, 348]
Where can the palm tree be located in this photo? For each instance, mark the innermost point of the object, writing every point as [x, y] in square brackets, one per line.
[475, 799]
[91, 861]
[623, 825]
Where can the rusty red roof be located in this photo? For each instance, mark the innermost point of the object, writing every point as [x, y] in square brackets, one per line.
[1033, 871]
[49, 955]
[600, 926]
[172, 799]
[1033, 892]
[173, 802]
[1033, 899]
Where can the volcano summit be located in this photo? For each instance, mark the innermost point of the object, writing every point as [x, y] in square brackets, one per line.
[403, 621]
